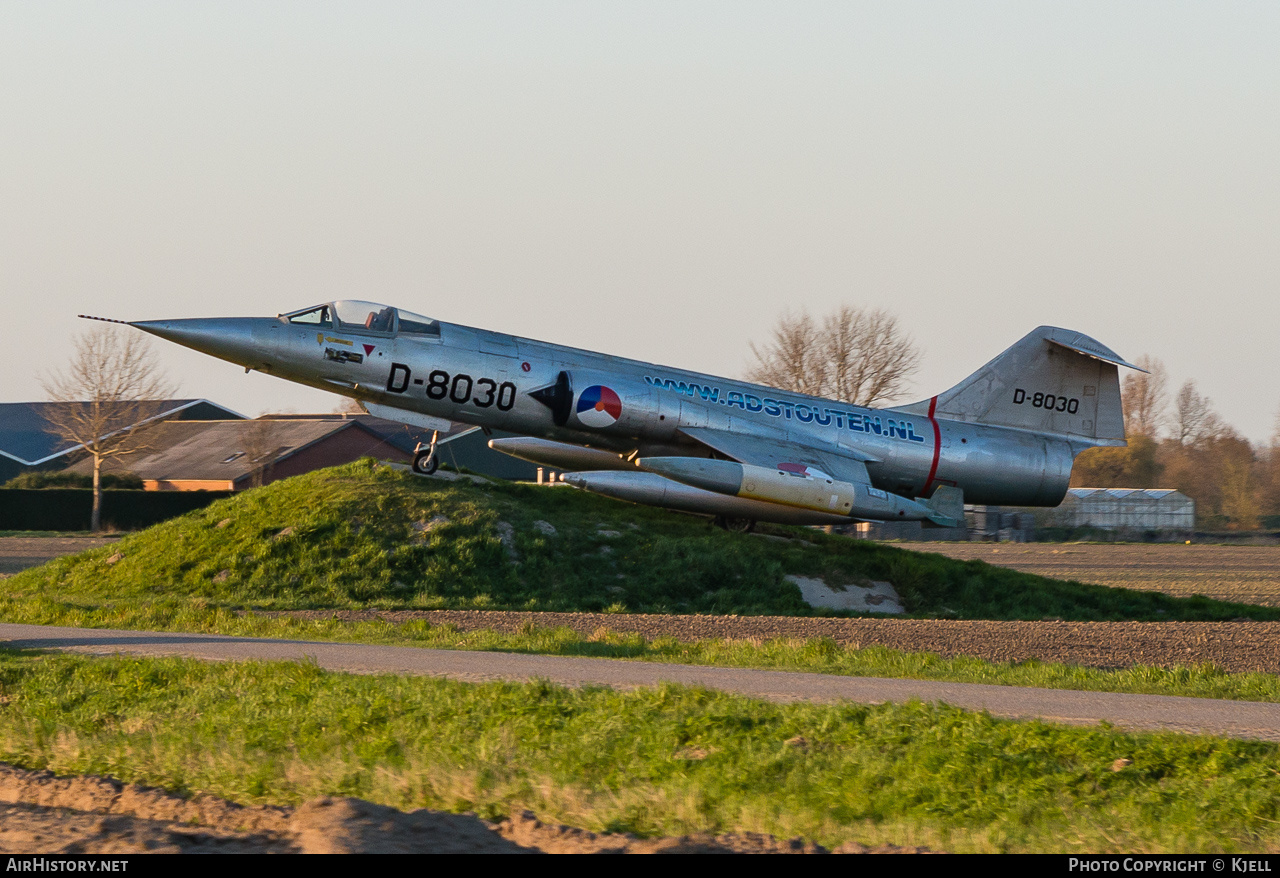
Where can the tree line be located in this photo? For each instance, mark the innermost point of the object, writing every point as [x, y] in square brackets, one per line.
[1177, 440]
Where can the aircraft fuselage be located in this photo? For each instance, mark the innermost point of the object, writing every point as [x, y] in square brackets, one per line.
[515, 385]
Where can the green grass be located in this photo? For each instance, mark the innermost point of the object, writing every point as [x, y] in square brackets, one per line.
[360, 536]
[664, 760]
[818, 655]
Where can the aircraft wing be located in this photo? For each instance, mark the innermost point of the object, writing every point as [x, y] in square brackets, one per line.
[845, 465]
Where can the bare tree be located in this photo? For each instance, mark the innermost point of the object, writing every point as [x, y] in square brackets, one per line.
[261, 440]
[1197, 422]
[791, 361]
[857, 355]
[1146, 398]
[109, 392]
[1269, 490]
[1239, 494]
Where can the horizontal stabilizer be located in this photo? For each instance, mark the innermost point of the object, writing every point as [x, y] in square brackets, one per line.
[1082, 344]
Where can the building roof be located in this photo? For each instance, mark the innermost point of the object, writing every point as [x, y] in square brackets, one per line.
[25, 437]
[462, 445]
[1125, 493]
[403, 436]
[221, 450]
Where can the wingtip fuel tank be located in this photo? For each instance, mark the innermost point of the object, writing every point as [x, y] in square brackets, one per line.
[652, 489]
[561, 455]
[795, 485]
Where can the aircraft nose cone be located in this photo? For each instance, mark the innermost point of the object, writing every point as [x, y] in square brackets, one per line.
[237, 339]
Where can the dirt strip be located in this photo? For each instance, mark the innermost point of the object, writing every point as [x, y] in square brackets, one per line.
[41, 813]
[1233, 646]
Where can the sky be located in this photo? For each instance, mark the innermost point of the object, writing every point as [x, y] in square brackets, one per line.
[659, 180]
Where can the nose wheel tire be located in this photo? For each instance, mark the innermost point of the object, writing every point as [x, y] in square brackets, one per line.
[425, 463]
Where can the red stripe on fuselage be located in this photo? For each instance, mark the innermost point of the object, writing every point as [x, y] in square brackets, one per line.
[937, 444]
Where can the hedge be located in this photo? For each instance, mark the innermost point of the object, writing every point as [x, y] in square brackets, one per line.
[70, 508]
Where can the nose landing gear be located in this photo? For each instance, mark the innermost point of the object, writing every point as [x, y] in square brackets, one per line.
[425, 461]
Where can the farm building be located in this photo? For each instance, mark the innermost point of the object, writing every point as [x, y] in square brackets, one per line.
[1159, 509]
[28, 443]
[234, 455]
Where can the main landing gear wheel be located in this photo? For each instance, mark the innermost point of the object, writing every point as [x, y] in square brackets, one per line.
[734, 525]
[425, 462]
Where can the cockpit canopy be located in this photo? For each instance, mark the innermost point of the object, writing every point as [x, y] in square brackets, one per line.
[353, 315]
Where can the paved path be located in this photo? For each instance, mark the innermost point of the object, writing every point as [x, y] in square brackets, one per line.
[19, 553]
[1240, 719]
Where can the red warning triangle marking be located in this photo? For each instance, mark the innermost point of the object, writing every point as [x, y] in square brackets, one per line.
[368, 349]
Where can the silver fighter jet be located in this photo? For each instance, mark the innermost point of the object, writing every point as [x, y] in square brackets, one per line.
[740, 452]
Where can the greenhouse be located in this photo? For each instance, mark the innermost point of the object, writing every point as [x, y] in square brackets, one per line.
[1129, 508]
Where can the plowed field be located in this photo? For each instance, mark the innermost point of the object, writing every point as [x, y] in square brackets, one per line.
[1246, 574]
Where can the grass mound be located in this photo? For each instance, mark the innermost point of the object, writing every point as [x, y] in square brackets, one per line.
[365, 536]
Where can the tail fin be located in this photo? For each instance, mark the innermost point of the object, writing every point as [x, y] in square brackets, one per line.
[1052, 381]
[946, 507]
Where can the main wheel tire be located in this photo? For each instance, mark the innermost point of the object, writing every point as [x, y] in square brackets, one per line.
[734, 525]
[425, 463]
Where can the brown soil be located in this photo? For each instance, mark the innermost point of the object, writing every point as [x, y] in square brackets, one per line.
[1248, 574]
[1234, 646]
[46, 814]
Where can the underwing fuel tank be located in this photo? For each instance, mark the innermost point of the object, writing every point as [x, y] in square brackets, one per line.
[561, 455]
[651, 489]
[799, 486]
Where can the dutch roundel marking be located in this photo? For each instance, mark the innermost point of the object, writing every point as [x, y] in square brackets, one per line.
[599, 406]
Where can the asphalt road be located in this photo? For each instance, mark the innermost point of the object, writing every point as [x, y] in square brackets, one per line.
[1239, 719]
